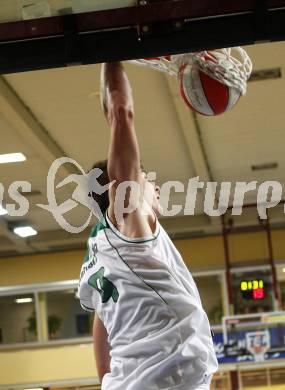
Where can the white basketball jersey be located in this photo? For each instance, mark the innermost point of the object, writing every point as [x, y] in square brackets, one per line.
[148, 302]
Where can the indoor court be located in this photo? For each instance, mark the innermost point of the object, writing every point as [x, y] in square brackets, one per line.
[229, 229]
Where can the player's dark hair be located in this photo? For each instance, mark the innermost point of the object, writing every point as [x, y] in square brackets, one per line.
[103, 199]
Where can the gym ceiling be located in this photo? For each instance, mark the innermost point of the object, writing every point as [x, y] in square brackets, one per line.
[55, 112]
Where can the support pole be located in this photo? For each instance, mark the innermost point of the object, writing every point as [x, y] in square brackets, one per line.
[234, 379]
[277, 301]
[227, 263]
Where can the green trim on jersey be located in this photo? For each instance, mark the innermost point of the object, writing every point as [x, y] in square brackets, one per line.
[139, 240]
[101, 225]
[105, 224]
[134, 242]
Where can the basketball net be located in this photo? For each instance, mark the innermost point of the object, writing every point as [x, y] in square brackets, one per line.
[231, 66]
[258, 354]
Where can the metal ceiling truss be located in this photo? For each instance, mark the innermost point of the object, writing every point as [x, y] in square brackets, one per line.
[149, 29]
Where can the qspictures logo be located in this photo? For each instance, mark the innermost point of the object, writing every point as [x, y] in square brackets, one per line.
[269, 194]
[86, 185]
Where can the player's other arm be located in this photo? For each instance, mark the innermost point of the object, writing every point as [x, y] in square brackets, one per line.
[101, 348]
[117, 99]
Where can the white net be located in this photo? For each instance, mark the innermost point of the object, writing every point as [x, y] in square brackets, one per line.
[231, 66]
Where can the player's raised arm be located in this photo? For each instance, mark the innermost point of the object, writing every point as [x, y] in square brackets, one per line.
[129, 209]
[116, 93]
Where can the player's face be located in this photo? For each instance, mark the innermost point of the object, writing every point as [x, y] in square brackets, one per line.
[152, 194]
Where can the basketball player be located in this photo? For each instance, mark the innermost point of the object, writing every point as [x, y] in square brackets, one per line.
[150, 330]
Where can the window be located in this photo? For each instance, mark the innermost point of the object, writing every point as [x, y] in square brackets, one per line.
[65, 317]
[254, 378]
[277, 376]
[17, 319]
[263, 377]
[211, 293]
[39, 313]
[280, 271]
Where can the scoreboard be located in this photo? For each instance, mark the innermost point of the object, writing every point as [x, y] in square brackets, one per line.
[252, 289]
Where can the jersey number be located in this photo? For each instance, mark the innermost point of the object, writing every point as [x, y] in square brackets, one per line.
[104, 286]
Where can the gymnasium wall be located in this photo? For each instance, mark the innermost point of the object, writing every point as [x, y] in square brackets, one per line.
[48, 364]
[208, 252]
[198, 253]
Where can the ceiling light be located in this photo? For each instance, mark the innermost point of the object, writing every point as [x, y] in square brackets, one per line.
[25, 231]
[3, 211]
[11, 157]
[24, 300]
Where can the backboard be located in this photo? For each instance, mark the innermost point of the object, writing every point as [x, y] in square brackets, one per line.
[257, 337]
[42, 34]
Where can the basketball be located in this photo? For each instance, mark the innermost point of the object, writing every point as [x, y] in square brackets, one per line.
[204, 94]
